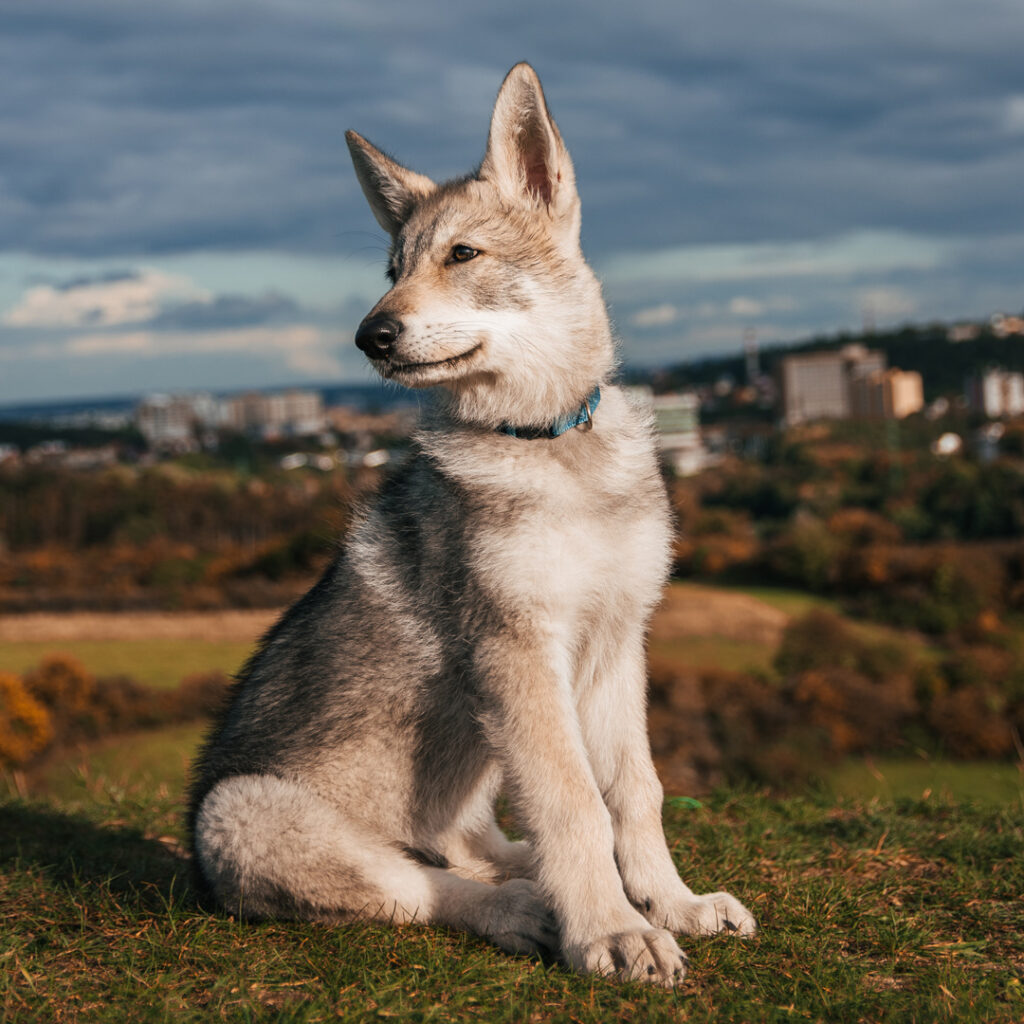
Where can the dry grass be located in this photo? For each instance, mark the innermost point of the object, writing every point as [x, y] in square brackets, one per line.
[232, 626]
[690, 610]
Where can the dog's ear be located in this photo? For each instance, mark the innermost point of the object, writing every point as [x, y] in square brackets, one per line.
[390, 189]
[526, 158]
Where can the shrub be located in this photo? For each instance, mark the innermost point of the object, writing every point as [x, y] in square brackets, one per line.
[25, 724]
[807, 554]
[822, 640]
[854, 712]
[972, 722]
[688, 758]
[62, 684]
[201, 694]
[756, 729]
[78, 707]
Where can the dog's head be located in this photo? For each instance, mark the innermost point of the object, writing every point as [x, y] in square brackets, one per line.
[491, 297]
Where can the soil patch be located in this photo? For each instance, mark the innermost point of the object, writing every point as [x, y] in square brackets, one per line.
[690, 610]
[241, 625]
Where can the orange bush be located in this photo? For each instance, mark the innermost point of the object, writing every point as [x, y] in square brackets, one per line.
[855, 712]
[25, 724]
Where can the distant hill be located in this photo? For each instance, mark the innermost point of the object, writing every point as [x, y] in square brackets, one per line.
[943, 364]
[365, 397]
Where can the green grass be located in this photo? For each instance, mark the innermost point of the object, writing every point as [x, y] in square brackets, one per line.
[714, 652]
[989, 783]
[158, 662]
[870, 911]
[141, 765]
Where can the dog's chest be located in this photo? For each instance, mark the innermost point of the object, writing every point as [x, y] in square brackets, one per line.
[570, 550]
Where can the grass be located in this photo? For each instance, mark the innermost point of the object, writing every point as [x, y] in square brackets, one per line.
[158, 662]
[146, 764]
[988, 783]
[870, 911]
[714, 652]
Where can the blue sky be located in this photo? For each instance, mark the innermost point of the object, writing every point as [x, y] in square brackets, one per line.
[177, 207]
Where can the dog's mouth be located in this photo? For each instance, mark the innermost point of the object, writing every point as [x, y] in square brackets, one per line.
[394, 369]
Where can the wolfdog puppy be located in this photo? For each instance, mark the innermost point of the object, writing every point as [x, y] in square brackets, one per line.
[483, 629]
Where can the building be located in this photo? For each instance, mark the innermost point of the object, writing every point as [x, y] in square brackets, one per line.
[167, 421]
[1003, 326]
[275, 414]
[677, 421]
[963, 332]
[817, 385]
[886, 395]
[996, 393]
[174, 421]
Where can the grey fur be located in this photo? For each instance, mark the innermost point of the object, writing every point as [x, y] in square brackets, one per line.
[483, 627]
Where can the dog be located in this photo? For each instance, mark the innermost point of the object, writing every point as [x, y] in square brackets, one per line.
[483, 629]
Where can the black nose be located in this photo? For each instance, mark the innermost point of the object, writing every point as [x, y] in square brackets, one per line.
[377, 335]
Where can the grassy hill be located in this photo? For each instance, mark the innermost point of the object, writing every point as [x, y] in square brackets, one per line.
[906, 911]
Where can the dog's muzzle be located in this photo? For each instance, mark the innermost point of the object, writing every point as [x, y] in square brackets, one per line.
[377, 335]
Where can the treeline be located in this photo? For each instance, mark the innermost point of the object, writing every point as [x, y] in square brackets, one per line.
[24, 434]
[894, 532]
[860, 512]
[49, 506]
[168, 535]
[833, 691]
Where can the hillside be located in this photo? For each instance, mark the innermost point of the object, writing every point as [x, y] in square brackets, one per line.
[906, 912]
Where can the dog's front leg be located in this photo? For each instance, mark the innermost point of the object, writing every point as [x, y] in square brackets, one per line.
[530, 719]
[614, 722]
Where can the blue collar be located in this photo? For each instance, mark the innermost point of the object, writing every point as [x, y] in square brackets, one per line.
[584, 414]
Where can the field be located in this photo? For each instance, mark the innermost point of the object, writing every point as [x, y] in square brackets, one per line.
[899, 911]
[155, 648]
[890, 894]
[697, 626]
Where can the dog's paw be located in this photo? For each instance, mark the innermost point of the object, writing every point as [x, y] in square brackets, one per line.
[519, 920]
[649, 954]
[706, 915]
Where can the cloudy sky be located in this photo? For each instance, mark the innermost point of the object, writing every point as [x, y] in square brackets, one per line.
[177, 207]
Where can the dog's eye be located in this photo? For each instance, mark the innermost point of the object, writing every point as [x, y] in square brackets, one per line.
[391, 274]
[463, 253]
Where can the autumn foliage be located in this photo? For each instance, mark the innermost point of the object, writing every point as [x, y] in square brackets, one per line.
[834, 691]
[59, 703]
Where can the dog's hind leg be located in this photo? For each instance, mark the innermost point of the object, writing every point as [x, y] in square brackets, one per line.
[509, 858]
[271, 848]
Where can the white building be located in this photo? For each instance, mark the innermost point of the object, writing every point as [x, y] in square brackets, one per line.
[677, 421]
[997, 393]
[166, 421]
[292, 413]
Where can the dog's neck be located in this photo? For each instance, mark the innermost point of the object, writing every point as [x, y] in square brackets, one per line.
[583, 414]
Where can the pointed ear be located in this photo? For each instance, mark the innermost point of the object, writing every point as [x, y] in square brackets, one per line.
[526, 157]
[390, 189]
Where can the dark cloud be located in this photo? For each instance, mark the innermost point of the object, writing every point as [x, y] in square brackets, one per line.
[162, 128]
[228, 311]
[131, 133]
[87, 280]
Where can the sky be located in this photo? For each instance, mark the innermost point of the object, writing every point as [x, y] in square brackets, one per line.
[178, 210]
